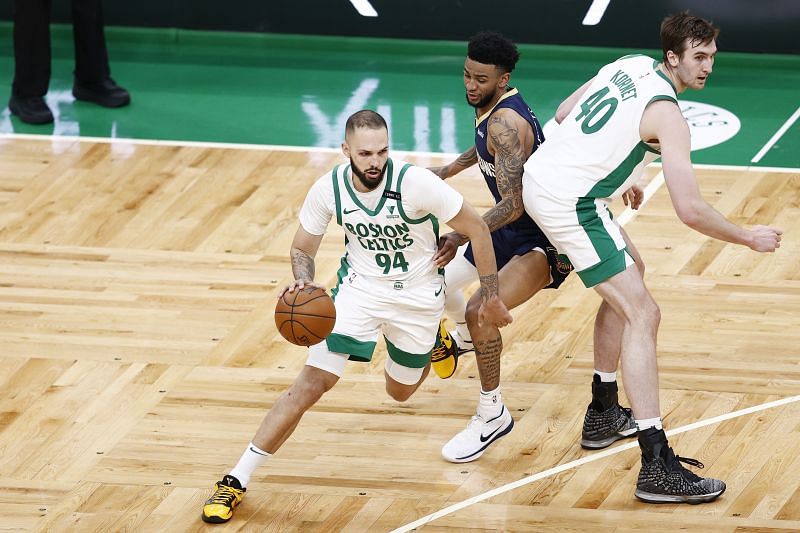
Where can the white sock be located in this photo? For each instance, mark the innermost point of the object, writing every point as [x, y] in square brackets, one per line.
[606, 377]
[252, 458]
[490, 404]
[648, 423]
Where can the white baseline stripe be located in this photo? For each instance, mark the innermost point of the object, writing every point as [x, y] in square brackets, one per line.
[201, 144]
[778, 135]
[287, 148]
[588, 459]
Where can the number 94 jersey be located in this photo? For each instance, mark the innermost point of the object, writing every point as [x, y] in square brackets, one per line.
[391, 232]
[596, 151]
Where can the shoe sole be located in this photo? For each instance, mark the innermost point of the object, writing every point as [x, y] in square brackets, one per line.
[476, 455]
[599, 444]
[112, 103]
[214, 519]
[443, 374]
[650, 497]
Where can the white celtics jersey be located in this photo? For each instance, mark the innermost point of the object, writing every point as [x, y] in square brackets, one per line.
[596, 151]
[392, 232]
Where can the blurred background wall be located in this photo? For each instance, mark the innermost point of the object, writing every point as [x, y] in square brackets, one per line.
[747, 25]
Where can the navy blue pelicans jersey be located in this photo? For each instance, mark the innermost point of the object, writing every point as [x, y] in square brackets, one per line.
[523, 235]
[511, 99]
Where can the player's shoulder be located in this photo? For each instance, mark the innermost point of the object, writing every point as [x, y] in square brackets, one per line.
[324, 184]
[636, 59]
[415, 180]
[411, 172]
[629, 63]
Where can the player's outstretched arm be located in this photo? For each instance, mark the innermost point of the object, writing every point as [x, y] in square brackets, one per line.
[304, 248]
[470, 223]
[663, 121]
[464, 161]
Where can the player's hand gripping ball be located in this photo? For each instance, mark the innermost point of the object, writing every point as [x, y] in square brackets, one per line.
[305, 317]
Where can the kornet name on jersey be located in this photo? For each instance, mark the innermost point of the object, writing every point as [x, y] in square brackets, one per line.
[597, 151]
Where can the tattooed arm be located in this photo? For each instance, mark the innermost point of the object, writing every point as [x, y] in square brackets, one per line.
[464, 161]
[469, 222]
[304, 249]
[511, 139]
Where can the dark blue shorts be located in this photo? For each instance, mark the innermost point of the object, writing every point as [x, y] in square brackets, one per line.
[509, 243]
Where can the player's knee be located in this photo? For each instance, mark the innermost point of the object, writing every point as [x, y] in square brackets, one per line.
[650, 314]
[401, 380]
[399, 394]
[471, 315]
[311, 385]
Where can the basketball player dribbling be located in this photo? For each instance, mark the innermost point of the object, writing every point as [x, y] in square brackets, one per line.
[388, 283]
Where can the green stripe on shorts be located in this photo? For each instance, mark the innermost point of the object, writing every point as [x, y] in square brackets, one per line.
[600, 272]
[410, 360]
[592, 224]
[356, 349]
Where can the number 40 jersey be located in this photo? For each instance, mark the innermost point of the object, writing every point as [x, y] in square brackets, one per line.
[596, 151]
[391, 232]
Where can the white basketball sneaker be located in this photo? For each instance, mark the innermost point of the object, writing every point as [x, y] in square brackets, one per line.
[478, 435]
[463, 345]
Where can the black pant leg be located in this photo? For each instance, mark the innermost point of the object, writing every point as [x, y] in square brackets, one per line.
[91, 56]
[31, 47]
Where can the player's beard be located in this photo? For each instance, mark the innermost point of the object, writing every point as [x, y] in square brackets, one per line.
[366, 181]
[483, 102]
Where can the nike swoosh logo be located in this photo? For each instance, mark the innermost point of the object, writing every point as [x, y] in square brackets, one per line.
[484, 438]
[447, 341]
[259, 453]
[346, 212]
[437, 293]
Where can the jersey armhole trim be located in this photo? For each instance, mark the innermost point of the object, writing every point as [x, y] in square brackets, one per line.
[336, 199]
[403, 214]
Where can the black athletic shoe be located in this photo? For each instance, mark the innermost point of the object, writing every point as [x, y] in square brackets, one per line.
[663, 479]
[30, 109]
[606, 421]
[105, 93]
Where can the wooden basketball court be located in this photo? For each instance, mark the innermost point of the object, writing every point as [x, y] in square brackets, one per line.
[139, 354]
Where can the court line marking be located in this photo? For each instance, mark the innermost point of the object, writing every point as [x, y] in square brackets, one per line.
[778, 135]
[628, 214]
[584, 460]
[288, 148]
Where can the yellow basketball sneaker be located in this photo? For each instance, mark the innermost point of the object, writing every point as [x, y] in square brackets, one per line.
[444, 356]
[228, 493]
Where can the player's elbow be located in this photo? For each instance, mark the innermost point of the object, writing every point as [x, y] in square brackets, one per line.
[562, 112]
[477, 229]
[517, 212]
[690, 215]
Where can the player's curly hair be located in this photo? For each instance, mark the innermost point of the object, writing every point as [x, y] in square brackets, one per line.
[492, 48]
[677, 29]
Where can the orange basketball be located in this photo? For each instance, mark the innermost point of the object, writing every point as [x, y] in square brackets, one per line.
[305, 317]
